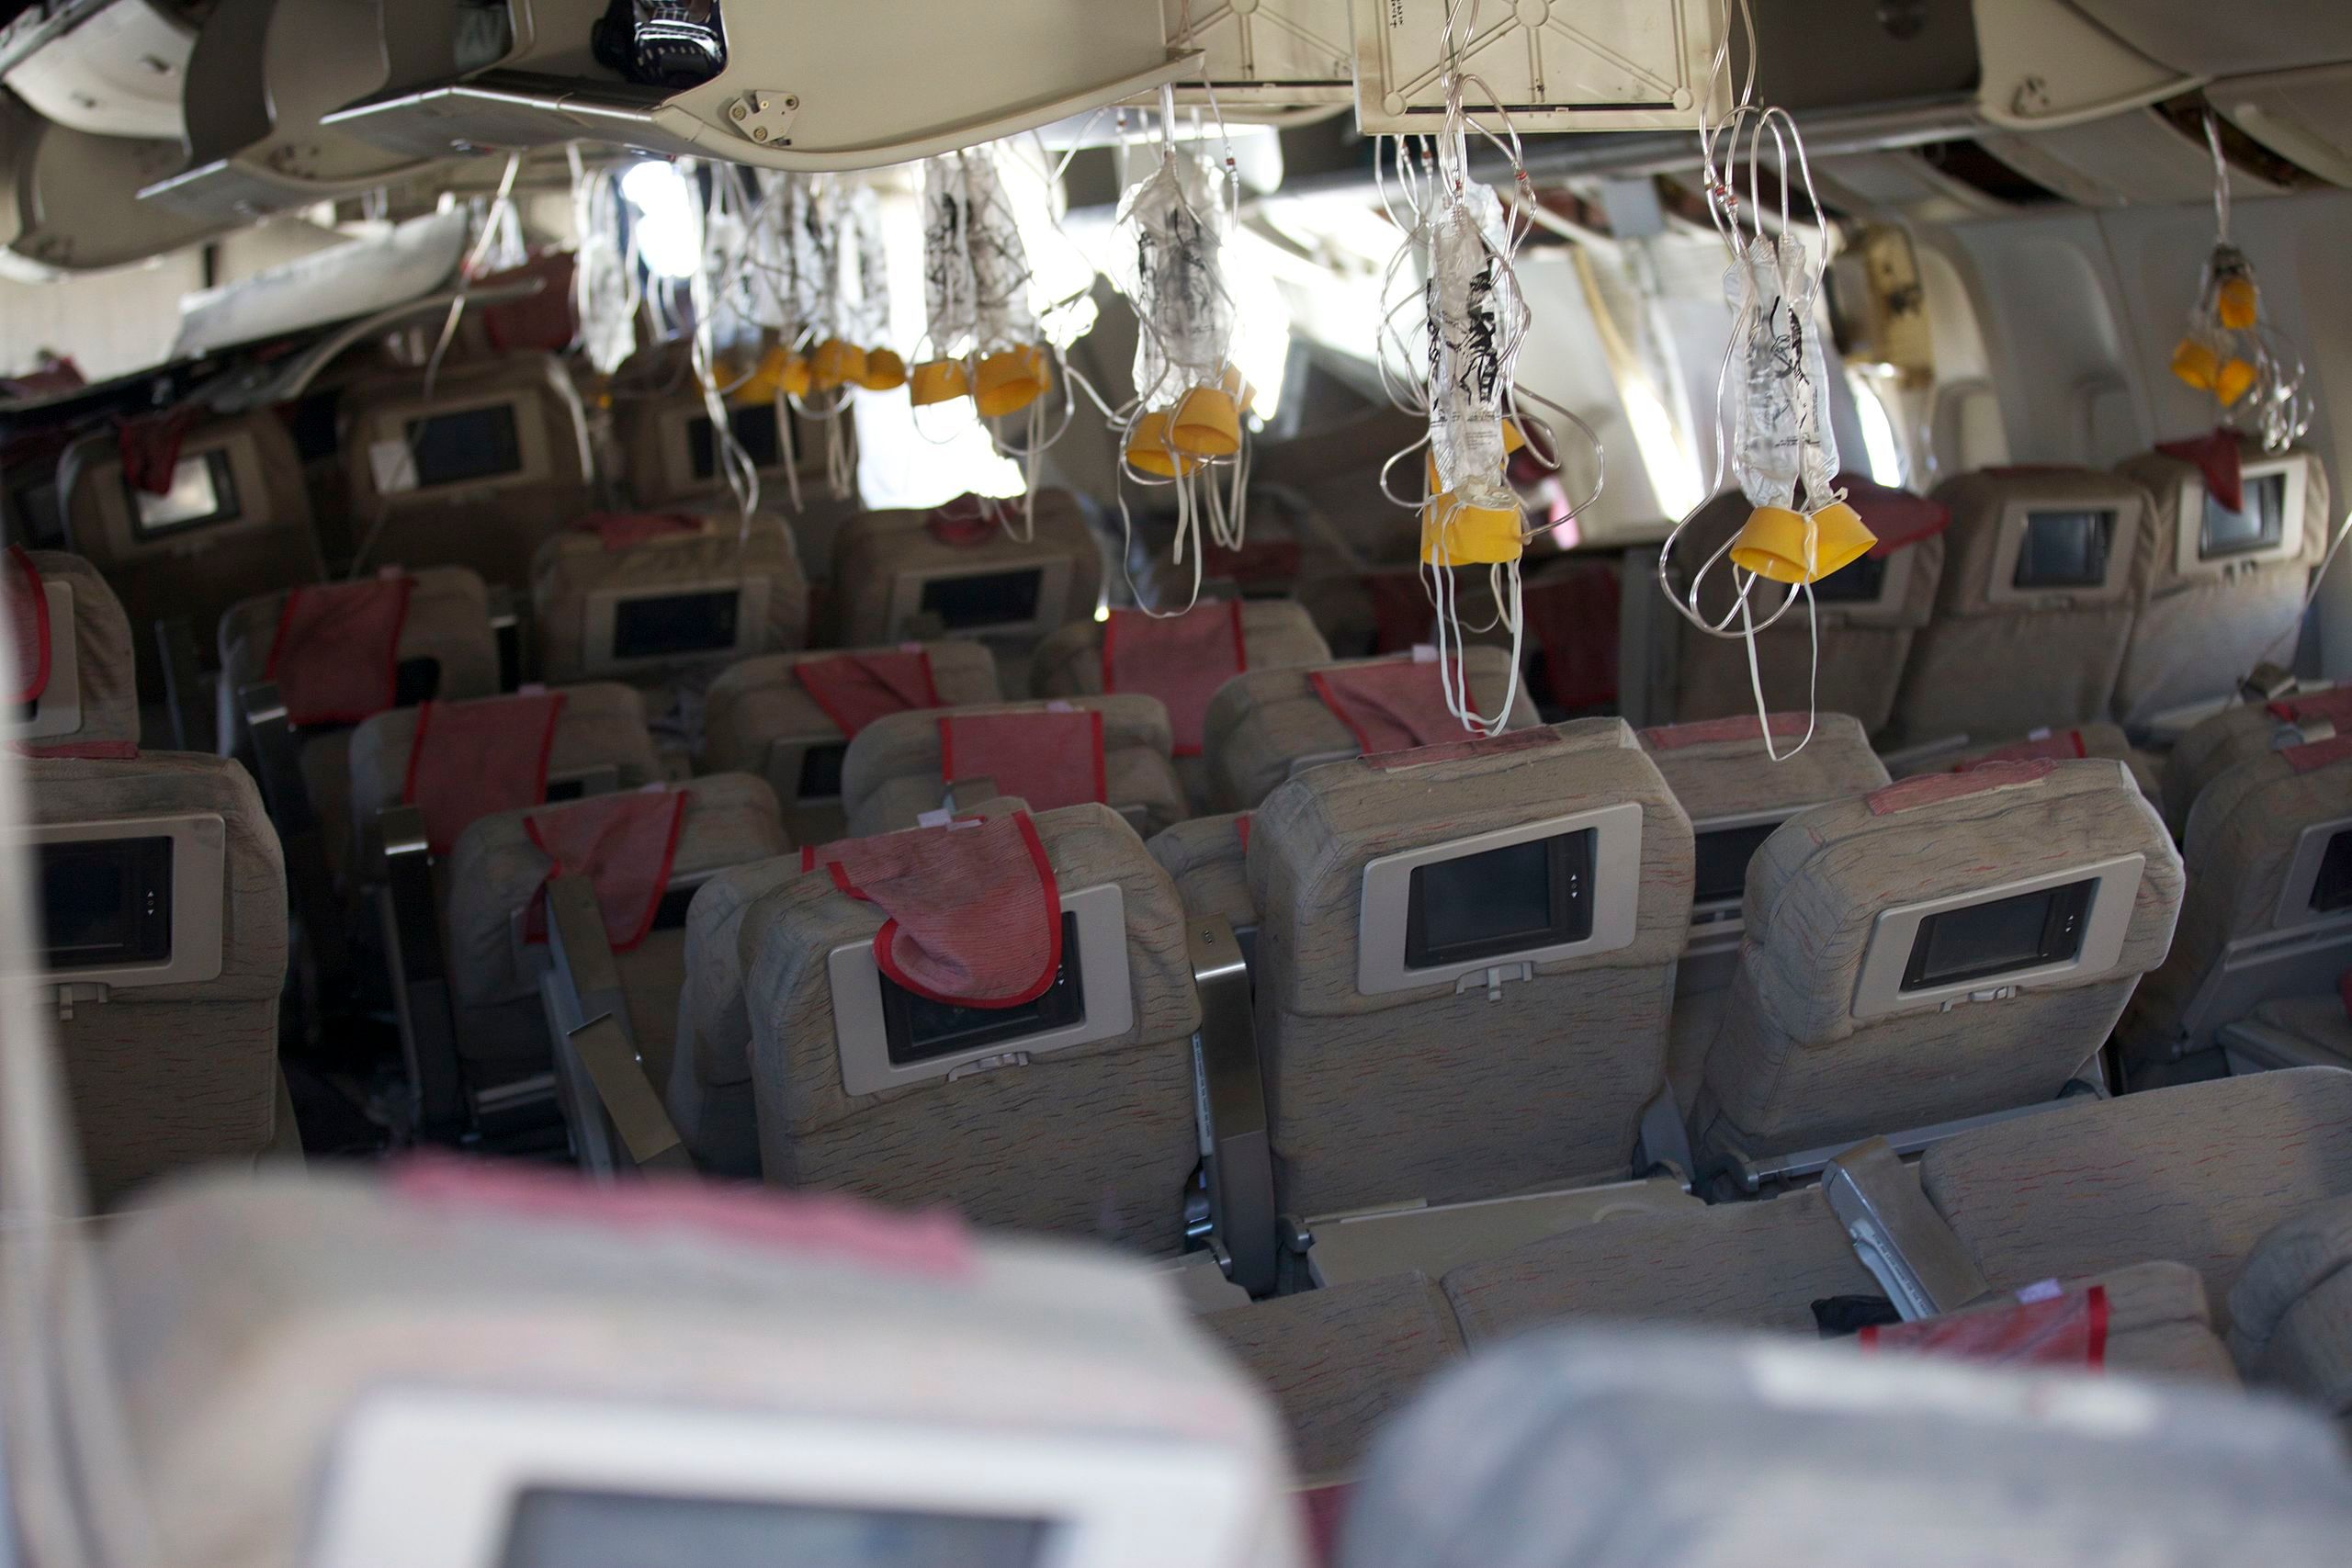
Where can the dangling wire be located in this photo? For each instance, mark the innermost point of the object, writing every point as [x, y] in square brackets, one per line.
[1772, 427]
[605, 296]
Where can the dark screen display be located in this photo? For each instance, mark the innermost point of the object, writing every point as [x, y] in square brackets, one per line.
[202, 493]
[415, 680]
[106, 902]
[993, 599]
[1722, 855]
[1984, 940]
[1526, 896]
[755, 432]
[2259, 526]
[2332, 890]
[457, 448]
[920, 1030]
[820, 771]
[661, 625]
[2064, 550]
[601, 1530]
[1859, 582]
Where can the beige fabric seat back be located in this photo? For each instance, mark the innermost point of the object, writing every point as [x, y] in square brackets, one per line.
[163, 901]
[1093, 1138]
[446, 652]
[2210, 748]
[2103, 740]
[90, 695]
[1465, 968]
[2291, 1308]
[1946, 947]
[2043, 572]
[1208, 859]
[892, 772]
[235, 523]
[1594, 1448]
[1275, 634]
[673, 603]
[758, 717]
[2268, 911]
[893, 580]
[662, 426]
[1266, 726]
[2225, 592]
[2197, 1173]
[292, 1352]
[477, 475]
[709, 1090]
[496, 872]
[1869, 615]
[1736, 795]
[600, 741]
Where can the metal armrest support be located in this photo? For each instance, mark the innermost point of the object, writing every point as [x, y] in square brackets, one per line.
[630, 1129]
[184, 692]
[277, 761]
[1233, 1108]
[1897, 1233]
[508, 625]
[1664, 1143]
[411, 922]
[616, 1117]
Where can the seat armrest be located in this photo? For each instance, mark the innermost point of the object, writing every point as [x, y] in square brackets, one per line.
[412, 925]
[1897, 1233]
[1236, 1130]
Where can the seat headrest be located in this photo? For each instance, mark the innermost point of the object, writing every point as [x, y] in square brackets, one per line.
[88, 689]
[450, 1304]
[1593, 1449]
[1721, 767]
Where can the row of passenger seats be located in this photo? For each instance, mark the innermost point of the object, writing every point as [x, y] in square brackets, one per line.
[2210, 1220]
[416, 1365]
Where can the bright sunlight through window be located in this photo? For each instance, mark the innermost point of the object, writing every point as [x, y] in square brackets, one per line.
[669, 225]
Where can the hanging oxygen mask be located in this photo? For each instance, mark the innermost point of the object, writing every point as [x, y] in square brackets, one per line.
[1457, 368]
[984, 337]
[1183, 431]
[2253, 373]
[1772, 408]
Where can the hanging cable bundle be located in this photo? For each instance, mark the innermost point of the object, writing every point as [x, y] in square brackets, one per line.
[605, 286]
[2253, 373]
[1183, 429]
[1457, 367]
[1773, 433]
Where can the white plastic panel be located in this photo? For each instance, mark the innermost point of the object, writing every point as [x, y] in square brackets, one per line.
[1264, 53]
[2303, 116]
[1551, 65]
[2128, 159]
[807, 86]
[119, 74]
[2045, 63]
[256, 144]
[76, 197]
[353, 279]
